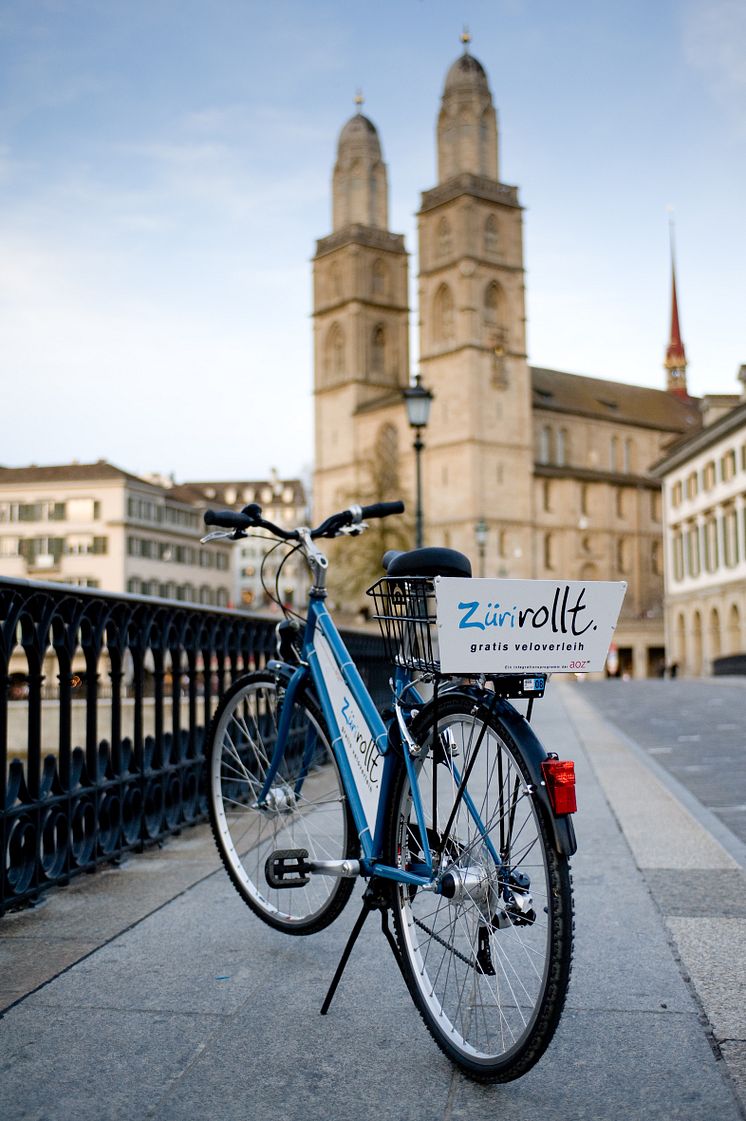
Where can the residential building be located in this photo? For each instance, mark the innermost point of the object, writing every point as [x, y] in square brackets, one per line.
[261, 574]
[704, 506]
[96, 526]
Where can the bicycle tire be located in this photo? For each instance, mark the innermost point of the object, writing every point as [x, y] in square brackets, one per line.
[305, 808]
[488, 976]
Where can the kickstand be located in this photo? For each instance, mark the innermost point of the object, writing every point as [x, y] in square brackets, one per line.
[374, 899]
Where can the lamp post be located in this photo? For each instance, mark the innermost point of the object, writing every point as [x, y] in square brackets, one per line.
[481, 531]
[418, 401]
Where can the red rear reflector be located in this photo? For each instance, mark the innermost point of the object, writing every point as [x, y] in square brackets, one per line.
[559, 775]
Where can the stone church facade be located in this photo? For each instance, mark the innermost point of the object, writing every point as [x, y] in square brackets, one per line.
[555, 464]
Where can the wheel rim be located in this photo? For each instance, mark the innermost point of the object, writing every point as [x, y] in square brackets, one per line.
[480, 962]
[303, 807]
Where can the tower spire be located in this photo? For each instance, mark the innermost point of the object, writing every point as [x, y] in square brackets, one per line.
[675, 363]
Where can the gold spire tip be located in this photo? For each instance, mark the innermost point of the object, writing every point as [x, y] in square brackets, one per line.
[465, 38]
[359, 99]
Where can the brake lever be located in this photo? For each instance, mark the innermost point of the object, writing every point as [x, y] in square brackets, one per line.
[216, 534]
[353, 530]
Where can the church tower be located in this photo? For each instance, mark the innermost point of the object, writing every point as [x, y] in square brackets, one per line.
[675, 362]
[479, 461]
[360, 300]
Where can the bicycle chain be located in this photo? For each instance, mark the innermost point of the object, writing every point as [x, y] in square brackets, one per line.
[442, 941]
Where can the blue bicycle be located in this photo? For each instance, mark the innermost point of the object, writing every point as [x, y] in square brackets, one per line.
[446, 804]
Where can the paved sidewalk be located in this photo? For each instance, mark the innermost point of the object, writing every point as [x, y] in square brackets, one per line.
[161, 996]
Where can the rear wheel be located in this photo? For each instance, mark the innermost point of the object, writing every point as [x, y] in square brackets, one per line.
[488, 959]
[303, 807]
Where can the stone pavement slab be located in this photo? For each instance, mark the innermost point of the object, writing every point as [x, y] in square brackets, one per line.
[199, 1010]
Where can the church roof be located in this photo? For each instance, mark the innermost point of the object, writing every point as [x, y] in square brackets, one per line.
[616, 401]
[466, 73]
[359, 132]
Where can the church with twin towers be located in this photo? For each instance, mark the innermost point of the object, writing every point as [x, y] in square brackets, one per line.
[551, 466]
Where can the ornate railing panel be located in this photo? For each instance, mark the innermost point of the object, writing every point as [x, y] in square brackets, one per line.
[162, 663]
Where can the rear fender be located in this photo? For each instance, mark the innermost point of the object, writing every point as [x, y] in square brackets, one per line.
[520, 731]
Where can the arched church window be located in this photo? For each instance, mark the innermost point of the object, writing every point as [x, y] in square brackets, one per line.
[443, 314]
[443, 238]
[490, 234]
[379, 278]
[492, 302]
[334, 353]
[335, 282]
[378, 350]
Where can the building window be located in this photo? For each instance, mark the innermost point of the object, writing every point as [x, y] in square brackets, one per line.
[678, 555]
[728, 465]
[548, 551]
[621, 555]
[545, 444]
[655, 558]
[492, 302]
[562, 445]
[692, 488]
[546, 495]
[584, 496]
[614, 454]
[379, 278]
[491, 241]
[711, 544]
[378, 350]
[443, 238]
[676, 494]
[443, 314]
[619, 502]
[692, 550]
[730, 536]
[334, 356]
[708, 476]
[655, 506]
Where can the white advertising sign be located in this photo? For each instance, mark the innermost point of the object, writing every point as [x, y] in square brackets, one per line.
[515, 626]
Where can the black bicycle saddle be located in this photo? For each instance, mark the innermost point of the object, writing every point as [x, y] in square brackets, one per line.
[430, 561]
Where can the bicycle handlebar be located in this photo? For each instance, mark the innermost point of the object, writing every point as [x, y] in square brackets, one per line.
[251, 518]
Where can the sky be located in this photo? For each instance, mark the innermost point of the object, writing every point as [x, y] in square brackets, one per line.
[165, 171]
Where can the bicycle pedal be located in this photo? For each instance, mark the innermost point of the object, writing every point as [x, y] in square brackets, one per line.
[287, 868]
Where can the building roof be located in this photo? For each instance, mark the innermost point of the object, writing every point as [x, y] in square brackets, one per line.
[598, 399]
[689, 446]
[241, 491]
[68, 472]
[359, 133]
[466, 74]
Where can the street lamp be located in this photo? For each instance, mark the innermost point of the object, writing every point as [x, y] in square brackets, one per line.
[481, 532]
[418, 401]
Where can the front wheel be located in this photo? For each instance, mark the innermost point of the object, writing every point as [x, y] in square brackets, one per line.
[487, 959]
[302, 805]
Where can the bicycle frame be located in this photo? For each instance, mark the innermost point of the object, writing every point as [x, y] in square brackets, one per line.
[359, 740]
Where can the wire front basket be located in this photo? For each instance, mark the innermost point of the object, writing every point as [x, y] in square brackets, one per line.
[405, 609]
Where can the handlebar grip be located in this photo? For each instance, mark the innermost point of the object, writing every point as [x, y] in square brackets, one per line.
[382, 509]
[227, 519]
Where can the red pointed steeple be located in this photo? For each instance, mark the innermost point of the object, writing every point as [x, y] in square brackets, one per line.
[675, 362]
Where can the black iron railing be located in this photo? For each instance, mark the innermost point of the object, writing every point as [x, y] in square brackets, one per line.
[146, 672]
